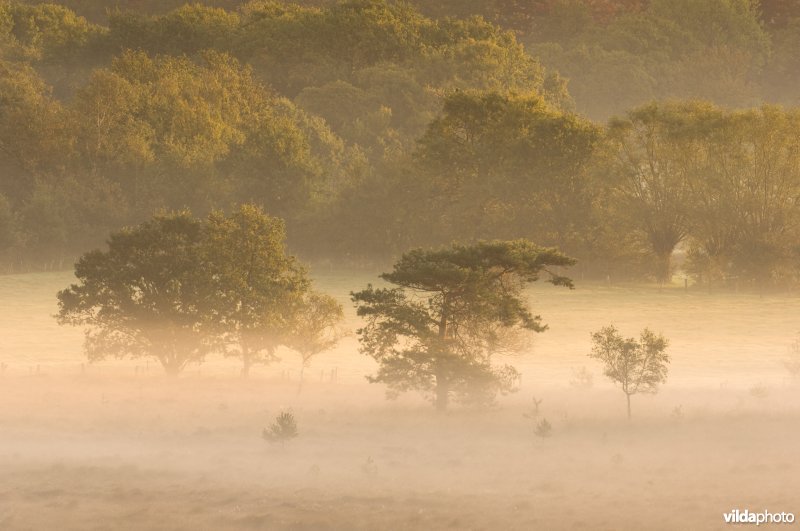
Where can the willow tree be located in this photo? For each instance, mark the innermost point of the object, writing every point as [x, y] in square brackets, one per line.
[746, 220]
[452, 309]
[658, 153]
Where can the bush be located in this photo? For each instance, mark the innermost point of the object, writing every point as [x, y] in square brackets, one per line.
[543, 429]
[283, 429]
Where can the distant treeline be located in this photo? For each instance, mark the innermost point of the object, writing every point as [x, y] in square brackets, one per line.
[372, 127]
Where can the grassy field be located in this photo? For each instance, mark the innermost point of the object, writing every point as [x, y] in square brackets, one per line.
[717, 339]
[101, 452]
[117, 446]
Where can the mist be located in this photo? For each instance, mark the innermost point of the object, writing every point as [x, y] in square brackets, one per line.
[118, 444]
[366, 264]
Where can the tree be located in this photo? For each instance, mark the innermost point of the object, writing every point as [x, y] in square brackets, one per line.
[184, 30]
[314, 327]
[52, 32]
[176, 288]
[146, 296]
[637, 366]
[258, 288]
[8, 227]
[494, 163]
[452, 309]
[746, 221]
[656, 161]
[621, 56]
[35, 135]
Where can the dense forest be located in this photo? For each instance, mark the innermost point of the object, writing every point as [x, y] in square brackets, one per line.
[623, 132]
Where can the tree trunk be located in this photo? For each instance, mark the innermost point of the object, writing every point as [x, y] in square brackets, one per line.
[664, 267]
[300, 384]
[629, 406]
[172, 370]
[247, 362]
[442, 389]
[442, 393]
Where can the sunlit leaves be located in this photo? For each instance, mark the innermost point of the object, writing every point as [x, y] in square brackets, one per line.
[452, 309]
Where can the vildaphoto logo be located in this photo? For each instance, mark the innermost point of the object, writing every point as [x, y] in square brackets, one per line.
[764, 517]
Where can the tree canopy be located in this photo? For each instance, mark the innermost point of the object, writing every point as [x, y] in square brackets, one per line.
[638, 366]
[371, 127]
[451, 311]
[177, 288]
[147, 296]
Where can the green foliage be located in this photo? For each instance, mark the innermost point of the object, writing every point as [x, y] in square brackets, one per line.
[50, 32]
[745, 222]
[186, 30]
[655, 149]
[452, 310]
[720, 183]
[145, 296]
[373, 126]
[733, 23]
[712, 50]
[35, 133]
[383, 112]
[315, 327]
[192, 108]
[176, 288]
[258, 288]
[207, 124]
[508, 165]
[638, 366]
[602, 82]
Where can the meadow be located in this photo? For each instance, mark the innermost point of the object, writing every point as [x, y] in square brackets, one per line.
[118, 445]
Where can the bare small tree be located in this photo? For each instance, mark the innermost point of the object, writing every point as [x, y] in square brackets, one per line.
[582, 379]
[315, 328]
[638, 366]
[792, 363]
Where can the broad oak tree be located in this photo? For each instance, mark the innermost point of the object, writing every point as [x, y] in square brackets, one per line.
[145, 296]
[177, 288]
[450, 311]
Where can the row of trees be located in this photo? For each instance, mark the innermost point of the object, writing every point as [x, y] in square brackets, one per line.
[718, 50]
[720, 186]
[617, 54]
[176, 288]
[372, 128]
[202, 108]
[723, 185]
[620, 54]
[152, 132]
